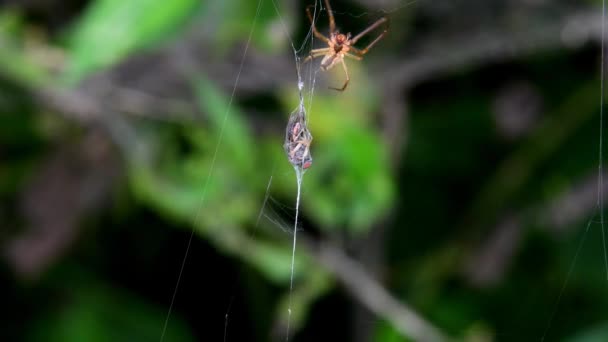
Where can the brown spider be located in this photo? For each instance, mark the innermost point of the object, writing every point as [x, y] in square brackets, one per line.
[340, 45]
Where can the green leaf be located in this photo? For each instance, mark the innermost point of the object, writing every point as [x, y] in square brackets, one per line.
[275, 260]
[595, 334]
[349, 184]
[98, 314]
[15, 63]
[227, 121]
[385, 332]
[215, 175]
[236, 19]
[109, 30]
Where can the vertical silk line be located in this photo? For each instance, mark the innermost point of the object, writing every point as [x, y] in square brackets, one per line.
[600, 185]
[299, 174]
[568, 276]
[211, 168]
[298, 169]
[600, 175]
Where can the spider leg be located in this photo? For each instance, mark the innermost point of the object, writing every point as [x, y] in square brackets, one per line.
[367, 48]
[347, 78]
[368, 30]
[353, 56]
[314, 27]
[319, 52]
[316, 53]
[330, 14]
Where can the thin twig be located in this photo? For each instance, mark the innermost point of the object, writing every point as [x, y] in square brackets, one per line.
[374, 296]
[439, 56]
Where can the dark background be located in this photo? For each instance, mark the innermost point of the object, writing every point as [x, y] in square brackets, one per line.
[455, 180]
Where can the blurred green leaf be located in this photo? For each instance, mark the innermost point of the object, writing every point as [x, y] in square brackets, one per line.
[595, 334]
[235, 20]
[274, 260]
[15, 63]
[385, 332]
[99, 314]
[226, 120]
[349, 185]
[11, 23]
[175, 184]
[111, 29]
[214, 185]
[215, 175]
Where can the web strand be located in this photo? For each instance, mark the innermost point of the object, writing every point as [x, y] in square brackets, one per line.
[568, 275]
[301, 110]
[211, 169]
[299, 175]
[600, 183]
[300, 84]
[257, 223]
[600, 175]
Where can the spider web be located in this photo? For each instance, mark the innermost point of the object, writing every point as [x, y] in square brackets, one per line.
[600, 188]
[305, 84]
[299, 170]
[211, 169]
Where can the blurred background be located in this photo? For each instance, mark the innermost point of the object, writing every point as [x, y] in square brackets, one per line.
[453, 193]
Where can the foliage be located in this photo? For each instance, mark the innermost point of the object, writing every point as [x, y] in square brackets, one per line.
[470, 192]
[118, 28]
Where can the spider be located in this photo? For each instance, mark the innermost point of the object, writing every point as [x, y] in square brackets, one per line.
[340, 45]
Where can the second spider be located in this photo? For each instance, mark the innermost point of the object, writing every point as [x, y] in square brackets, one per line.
[340, 45]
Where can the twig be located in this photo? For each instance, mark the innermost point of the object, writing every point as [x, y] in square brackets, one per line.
[491, 258]
[440, 56]
[373, 296]
[127, 90]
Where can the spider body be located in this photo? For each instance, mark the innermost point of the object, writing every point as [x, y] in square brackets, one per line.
[340, 45]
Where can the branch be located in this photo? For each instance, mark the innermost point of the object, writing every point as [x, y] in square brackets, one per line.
[372, 295]
[129, 88]
[440, 56]
[491, 259]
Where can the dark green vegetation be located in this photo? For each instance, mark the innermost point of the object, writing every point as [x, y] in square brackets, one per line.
[459, 169]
